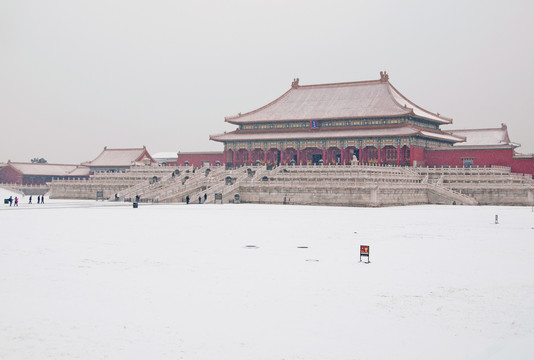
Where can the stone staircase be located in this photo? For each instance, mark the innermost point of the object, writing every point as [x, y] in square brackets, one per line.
[443, 195]
[196, 183]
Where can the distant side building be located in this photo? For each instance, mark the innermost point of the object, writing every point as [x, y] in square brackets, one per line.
[40, 173]
[199, 159]
[166, 158]
[482, 147]
[113, 160]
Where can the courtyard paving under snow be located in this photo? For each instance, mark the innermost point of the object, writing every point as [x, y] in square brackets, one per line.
[98, 280]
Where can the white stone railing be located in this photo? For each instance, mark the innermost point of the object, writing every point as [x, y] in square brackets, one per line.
[307, 186]
[475, 186]
[334, 169]
[462, 170]
[29, 186]
[281, 176]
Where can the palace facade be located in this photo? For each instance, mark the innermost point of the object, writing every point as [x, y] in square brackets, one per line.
[368, 122]
[364, 122]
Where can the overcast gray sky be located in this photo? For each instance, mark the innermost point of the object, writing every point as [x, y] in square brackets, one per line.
[76, 76]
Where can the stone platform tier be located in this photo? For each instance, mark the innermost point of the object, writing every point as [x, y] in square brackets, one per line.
[105, 185]
[335, 185]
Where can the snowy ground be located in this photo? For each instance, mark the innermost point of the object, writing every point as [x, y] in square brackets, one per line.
[88, 280]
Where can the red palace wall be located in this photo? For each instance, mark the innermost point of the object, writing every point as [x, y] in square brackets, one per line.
[198, 159]
[523, 166]
[171, 163]
[417, 155]
[499, 157]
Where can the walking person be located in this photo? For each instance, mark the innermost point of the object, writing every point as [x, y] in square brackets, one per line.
[16, 201]
[10, 200]
[205, 197]
[199, 200]
[38, 199]
[42, 199]
[30, 200]
[187, 199]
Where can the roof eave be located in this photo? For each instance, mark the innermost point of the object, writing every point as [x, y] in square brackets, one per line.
[327, 118]
[443, 120]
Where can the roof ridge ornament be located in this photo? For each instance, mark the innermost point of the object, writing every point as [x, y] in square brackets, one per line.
[295, 83]
[384, 77]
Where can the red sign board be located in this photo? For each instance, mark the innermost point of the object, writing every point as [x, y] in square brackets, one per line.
[364, 251]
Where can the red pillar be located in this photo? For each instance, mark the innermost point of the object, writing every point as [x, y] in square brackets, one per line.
[411, 155]
[265, 156]
[379, 155]
[342, 156]
[360, 158]
[281, 156]
[235, 157]
[249, 157]
[225, 157]
[324, 156]
[298, 156]
[398, 155]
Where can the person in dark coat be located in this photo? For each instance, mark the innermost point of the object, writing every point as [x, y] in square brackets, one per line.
[205, 197]
[30, 200]
[42, 199]
[199, 200]
[38, 199]
[187, 199]
[10, 200]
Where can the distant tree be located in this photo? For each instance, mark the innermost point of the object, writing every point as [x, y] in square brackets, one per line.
[39, 160]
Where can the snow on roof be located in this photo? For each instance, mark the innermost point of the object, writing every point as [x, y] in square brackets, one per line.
[442, 136]
[118, 157]
[200, 153]
[376, 98]
[165, 155]
[417, 110]
[523, 156]
[485, 137]
[332, 133]
[49, 169]
[80, 171]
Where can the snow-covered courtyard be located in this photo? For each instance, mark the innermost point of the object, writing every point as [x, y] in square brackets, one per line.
[99, 280]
